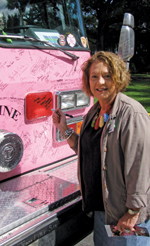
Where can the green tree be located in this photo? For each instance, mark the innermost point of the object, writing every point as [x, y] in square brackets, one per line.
[101, 17]
[18, 4]
[103, 20]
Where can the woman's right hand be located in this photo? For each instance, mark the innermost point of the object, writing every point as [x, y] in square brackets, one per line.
[59, 120]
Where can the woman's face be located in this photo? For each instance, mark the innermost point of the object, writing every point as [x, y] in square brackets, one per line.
[101, 83]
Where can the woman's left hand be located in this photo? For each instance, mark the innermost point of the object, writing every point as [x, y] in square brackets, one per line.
[127, 222]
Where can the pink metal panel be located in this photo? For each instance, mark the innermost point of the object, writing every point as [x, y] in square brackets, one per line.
[30, 70]
[29, 195]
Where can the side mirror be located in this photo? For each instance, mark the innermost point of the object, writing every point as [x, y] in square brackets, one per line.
[127, 39]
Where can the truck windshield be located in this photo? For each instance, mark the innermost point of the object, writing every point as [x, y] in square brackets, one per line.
[57, 21]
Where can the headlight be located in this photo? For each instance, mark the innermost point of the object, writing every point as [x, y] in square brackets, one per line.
[70, 100]
[67, 101]
[82, 99]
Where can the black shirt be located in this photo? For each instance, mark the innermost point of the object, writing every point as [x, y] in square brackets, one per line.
[91, 168]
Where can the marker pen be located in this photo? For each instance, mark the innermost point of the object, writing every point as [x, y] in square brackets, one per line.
[69, 115]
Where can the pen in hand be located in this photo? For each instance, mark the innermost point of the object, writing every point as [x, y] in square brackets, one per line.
[69, 115]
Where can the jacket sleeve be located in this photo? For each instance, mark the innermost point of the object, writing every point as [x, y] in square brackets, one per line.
[135, 143]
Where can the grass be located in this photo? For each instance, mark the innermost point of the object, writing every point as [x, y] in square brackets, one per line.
[140, 91]
[146, 75]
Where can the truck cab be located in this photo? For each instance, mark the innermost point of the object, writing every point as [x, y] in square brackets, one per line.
[43, 45]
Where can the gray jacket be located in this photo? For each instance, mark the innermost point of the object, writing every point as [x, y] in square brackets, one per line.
[125, 159]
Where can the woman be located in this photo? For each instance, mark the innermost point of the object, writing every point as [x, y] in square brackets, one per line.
[113, 152]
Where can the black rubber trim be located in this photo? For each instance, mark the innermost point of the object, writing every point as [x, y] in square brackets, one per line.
[64, 200]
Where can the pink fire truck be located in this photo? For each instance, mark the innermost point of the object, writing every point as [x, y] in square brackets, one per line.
[43, 44]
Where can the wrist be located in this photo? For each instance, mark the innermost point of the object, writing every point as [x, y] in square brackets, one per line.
[67, 133]
[64, 129]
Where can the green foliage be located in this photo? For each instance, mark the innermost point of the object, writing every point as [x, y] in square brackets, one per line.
[100, 18]
[19, 4]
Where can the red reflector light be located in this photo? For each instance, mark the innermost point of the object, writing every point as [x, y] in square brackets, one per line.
[72, 126]
[38, 105]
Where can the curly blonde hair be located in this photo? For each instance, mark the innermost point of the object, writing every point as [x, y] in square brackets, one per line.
[116, 66]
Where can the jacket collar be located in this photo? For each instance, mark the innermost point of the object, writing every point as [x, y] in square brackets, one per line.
[116, 105]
